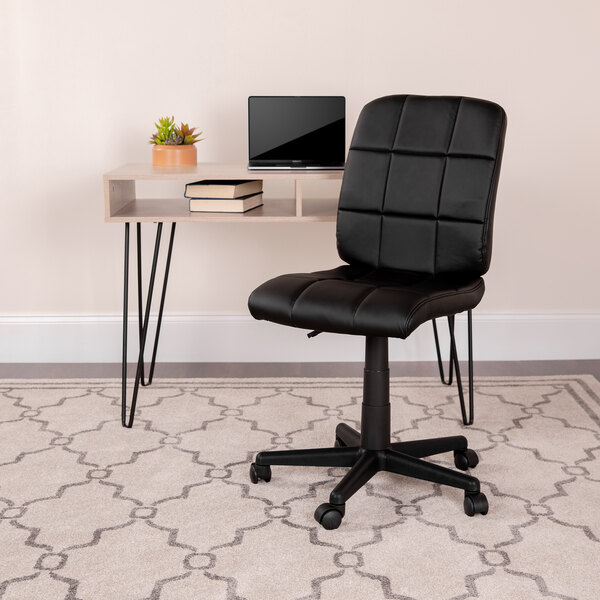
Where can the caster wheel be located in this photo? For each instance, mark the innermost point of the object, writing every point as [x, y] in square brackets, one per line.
[260, 472]
[329, 515]
[338, 443]
[465, 459]
[476, 503]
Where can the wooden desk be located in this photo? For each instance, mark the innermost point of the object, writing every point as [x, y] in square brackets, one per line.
[123, 206]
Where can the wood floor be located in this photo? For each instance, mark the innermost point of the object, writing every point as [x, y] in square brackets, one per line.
[337, 369]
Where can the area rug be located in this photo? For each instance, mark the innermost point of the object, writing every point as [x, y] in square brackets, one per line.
[92, 511]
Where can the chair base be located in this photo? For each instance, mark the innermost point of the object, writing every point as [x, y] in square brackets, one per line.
[371, 451]
[403, 458]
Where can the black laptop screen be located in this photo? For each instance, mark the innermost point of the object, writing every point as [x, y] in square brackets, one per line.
[297, 131]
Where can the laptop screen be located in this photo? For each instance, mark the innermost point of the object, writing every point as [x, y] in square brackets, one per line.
[296, 131]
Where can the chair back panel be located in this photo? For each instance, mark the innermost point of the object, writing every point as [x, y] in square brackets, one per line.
[420, 183]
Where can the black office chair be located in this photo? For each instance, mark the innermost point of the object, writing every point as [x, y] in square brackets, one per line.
[415, 229]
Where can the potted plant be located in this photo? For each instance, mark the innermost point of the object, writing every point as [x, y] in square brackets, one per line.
[173, 145]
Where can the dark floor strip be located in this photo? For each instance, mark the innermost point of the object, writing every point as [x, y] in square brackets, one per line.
[337, 369]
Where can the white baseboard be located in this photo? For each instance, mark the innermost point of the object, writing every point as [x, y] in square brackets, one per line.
[195, 338]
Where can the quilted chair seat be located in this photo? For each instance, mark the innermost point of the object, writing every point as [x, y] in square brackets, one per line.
[376, 302]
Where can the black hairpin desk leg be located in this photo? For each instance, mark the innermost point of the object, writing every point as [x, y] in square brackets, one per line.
[142, 323]
[453, 365]
[439, 354]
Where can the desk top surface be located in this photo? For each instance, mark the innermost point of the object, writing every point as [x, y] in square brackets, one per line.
[215, 171]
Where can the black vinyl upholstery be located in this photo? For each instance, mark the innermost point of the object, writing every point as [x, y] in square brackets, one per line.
[414, 221]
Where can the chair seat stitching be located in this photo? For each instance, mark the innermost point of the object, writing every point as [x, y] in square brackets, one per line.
[295, 300]
[361, 303]
[439, 297]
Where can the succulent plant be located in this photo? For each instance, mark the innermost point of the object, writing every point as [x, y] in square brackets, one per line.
[187, 133]
[167, 133]
[174, 140]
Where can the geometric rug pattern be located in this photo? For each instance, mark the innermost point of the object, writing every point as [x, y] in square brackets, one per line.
[165, 510]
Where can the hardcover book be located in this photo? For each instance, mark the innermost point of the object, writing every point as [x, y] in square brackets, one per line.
[243, 204]
[215, 188]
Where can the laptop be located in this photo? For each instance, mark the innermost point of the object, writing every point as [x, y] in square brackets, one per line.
[296, 132]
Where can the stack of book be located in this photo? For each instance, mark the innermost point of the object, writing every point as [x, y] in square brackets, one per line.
[215, 195]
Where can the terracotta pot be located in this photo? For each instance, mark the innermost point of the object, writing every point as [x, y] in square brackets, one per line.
[173, 156]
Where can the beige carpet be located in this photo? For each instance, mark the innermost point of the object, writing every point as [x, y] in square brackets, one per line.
[91, 511]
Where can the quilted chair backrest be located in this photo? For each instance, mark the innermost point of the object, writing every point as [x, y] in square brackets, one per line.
[420, 184]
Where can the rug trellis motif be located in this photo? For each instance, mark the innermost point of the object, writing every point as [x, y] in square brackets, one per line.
[90, 511]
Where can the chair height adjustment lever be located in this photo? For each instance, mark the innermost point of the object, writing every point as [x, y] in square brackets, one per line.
[313, 334]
